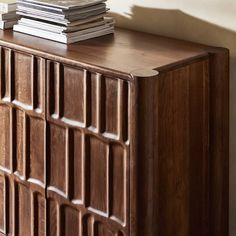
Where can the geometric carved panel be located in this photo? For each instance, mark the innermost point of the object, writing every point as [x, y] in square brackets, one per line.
[85, 99]
[29, 211]
[22, 80]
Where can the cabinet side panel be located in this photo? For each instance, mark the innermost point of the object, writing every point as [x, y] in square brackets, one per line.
[181, 159]
[219, 142]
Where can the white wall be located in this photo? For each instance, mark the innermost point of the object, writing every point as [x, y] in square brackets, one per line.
[210, 22]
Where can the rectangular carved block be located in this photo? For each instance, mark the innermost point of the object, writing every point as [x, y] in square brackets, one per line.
[22, 80]
[29, 210]
[36, 135]
[97, 172]
[57, 175]
[5, 137]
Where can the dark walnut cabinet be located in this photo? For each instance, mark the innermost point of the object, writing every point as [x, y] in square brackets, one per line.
[123, 135]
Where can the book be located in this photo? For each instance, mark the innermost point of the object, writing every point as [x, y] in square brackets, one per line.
[64, 29]
[8, 16]
[81, 14]
[65, 5]
[32, 6]
[7, 5]
[63, 38]
[7, 24]
[63, 21]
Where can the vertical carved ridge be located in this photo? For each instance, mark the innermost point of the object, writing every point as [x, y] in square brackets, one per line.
[34, 84]
[60, 95]
[58, 219]
[86, 170]
[11, 75]
[120, 109]
[100, 103]
[84, 192]
[67, 164]
[32, 213]
[26, 128]
[45, 153]
[14, 209]
[110, 178]
[2, 73]
[42, 91]
[12, 140]
[51, 88]
[3, 211]
[87, 100]
[108, 160]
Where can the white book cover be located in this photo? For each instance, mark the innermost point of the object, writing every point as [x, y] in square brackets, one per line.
[82, 13]
[63, 29]
[65, 4]
[62, 38]
[63, 21]
[34, 6]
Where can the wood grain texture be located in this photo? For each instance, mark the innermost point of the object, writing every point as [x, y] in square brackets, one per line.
[123, 135]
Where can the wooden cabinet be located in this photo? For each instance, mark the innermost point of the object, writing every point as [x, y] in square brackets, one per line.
[115, 136]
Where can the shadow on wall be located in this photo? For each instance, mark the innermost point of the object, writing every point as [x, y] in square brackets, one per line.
[177, 24]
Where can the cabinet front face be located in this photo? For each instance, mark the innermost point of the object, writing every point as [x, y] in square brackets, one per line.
[88, 151]
[64, 170]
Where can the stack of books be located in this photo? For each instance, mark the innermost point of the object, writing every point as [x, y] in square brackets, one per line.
[8, 15]
[64, 21]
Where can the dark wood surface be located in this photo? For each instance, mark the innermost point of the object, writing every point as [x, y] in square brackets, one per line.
[123, 135]
[125, 52]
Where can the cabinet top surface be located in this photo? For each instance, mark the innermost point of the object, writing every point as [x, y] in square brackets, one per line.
[124, 52]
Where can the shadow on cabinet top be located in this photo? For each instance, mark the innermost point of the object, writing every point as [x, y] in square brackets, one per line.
[124, 52]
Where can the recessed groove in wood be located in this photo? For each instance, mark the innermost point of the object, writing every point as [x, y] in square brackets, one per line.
[11, 75]
[51, 93]
[100, 103]
[59, 81]
[87, 98]
[52, 218]
[34, 82]
[3, 205]
[2, 73]
[67, 163]
[123, 101]
[76, 166]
